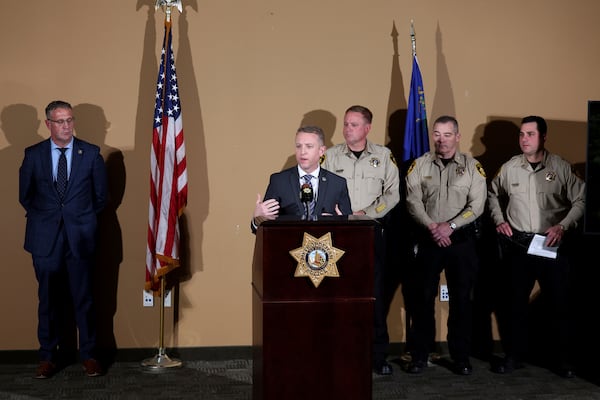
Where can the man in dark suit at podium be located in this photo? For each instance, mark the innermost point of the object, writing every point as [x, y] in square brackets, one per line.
[306, 190]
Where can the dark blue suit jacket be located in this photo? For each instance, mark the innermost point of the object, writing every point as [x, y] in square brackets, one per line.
[284, 187]
[84, 199]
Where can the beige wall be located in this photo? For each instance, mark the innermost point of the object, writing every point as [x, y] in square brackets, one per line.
[250, 72]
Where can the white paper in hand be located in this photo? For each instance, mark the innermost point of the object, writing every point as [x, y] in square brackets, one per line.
[538, 248]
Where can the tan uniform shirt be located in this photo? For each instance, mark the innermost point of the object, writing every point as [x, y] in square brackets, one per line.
[532, 201]
[452, 193]
[373, 179]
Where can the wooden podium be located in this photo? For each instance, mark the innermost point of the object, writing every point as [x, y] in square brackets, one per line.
[313, 340]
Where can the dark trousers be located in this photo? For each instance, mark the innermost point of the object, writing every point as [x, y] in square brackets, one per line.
[381, 337]
[63, 278]
[553, 278]
[460, 263]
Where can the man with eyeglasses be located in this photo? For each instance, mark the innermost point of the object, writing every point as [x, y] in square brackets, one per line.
[63, 187]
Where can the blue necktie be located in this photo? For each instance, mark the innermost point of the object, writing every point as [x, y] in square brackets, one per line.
[311, 205]
[61, 174]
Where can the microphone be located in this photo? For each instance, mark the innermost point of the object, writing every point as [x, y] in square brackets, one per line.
[306, 193]
[306, 196]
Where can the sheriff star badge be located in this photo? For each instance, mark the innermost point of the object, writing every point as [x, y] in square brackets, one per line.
[317, 258]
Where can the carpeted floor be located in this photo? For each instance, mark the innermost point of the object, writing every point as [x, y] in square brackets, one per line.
[232, 379]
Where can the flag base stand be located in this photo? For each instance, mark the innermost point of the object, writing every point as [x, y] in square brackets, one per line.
[161, 362]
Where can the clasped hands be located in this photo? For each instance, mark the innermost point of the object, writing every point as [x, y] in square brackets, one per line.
[440, 233]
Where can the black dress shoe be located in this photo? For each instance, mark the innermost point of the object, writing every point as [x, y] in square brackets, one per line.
[45, 370]
[382, 368]
[566, 371]
[463, 368]
[416, 367]
[92, 368]
[500, 368]
[507, 366]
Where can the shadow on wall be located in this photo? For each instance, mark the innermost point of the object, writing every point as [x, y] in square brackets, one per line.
[495, 142]
[20, 124]
[93, 127]
[498, 140]
[321, 118]
[399, 258]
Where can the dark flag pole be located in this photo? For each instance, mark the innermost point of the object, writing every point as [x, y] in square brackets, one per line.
[416, 135]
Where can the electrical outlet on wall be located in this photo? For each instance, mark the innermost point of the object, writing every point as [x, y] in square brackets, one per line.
[148, 298]
[167, 298]
[444, 295]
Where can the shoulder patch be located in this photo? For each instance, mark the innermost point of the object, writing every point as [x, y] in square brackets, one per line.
[480, 169]
[392, 158]
[412, 166]
[322, 159]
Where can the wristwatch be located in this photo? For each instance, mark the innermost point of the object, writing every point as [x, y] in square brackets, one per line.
[452, 225]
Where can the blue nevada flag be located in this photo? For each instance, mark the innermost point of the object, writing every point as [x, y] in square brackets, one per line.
[416, 135]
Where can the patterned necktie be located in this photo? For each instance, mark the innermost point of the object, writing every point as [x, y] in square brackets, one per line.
[311, 205]
[61, 174]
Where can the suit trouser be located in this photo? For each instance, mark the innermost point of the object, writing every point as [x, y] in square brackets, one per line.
[460, 263]
[59, 275]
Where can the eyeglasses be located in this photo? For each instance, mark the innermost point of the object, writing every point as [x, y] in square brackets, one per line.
[69, 121]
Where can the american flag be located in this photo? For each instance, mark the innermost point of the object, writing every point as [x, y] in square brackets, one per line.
[168, 172]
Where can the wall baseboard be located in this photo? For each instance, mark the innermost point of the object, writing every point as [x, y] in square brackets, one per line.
[140, 354]
[189, 353]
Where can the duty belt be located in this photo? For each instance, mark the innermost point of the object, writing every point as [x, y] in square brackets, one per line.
[465, 232]
[522, 239]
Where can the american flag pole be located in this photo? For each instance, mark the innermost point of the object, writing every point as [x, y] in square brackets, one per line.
[164, 257]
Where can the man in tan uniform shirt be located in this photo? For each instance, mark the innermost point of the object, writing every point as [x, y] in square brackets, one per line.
[535, 193]
[446, 194]
[374, 188]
